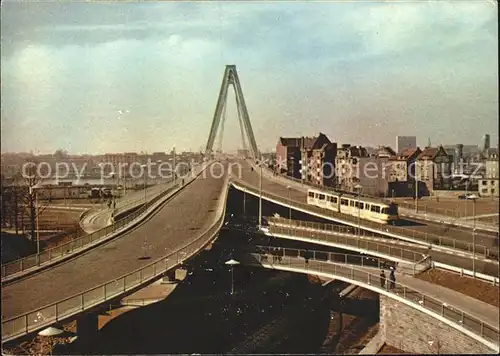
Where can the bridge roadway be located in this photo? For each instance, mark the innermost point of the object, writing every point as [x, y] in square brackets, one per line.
[99, 218]
[479, 320]
[181, 220]
[252, 178]
[323, 234]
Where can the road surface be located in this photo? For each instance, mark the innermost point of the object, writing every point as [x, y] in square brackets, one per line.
[252, 178]
[181, 220]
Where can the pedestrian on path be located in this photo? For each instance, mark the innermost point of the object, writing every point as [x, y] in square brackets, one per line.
[382, 278]
[392, 277]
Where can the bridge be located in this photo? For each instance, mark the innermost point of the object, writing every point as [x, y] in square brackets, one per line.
[181, 226]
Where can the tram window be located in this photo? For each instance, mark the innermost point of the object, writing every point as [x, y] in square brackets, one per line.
[361, 205]
[344, 202]
[351, 202]
[316, 195]
[367, 206]
[334, 199]
[377, 209]
[321, 197]
[311, 194]
[384, 210]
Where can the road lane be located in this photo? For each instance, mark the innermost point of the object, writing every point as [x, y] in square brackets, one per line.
[186, 216]
[252, 177]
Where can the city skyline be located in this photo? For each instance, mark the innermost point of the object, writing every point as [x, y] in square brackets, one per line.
[137, 77]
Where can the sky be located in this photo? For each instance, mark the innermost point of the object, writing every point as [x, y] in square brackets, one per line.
[97, 78]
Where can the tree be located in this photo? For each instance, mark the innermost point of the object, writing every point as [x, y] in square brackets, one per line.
[25, 187]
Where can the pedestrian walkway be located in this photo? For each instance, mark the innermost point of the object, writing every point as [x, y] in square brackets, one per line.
[462, 312]
[99, 218]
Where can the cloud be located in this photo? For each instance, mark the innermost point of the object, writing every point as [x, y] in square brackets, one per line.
[361, 72]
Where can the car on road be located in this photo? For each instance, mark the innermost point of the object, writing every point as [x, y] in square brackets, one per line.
[465, 196]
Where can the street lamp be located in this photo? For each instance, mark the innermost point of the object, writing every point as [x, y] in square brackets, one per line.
[466, 194]
[260, 196]
[158, 162]
[473, 197]
[33, 191]
[232, 263]
[174, 168]
[416, 189]
[359, 187]
[50, 332]
[145, 186]
[289, 205]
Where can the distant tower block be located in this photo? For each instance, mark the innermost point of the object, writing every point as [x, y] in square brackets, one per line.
[405, 142]
[231, 78]
[459, 155]
[486, 143]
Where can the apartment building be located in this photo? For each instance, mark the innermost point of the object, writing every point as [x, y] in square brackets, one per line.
[434, 169]
[489, 185]
[318, 160]
[401, 172]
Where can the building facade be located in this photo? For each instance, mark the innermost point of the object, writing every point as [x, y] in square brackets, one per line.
[354, 167]
[318, 160]
[401, 172]
[405, 142]
[288, 157]
[433, 170]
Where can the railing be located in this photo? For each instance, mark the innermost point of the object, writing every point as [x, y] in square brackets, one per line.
[278, 253]
[68, 248]
[453, 213]
[457, 317]
[36, 319]
[383, 229]
[329, 234]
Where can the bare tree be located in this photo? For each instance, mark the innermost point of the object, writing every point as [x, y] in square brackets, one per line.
[26, 185]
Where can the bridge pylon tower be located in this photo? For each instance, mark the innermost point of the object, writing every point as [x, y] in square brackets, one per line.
[231, 78]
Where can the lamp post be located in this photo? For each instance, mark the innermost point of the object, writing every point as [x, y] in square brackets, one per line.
[145, 184]
[124, 179]
[260, 196]
[473, 197]
[466, 189]
[50, 332]
[359, 187]
[33, 191]
[174, 167]
[232, 263]
[158, 162]
[416, 188]
[289, 205]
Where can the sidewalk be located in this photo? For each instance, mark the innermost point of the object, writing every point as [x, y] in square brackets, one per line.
[474, 307]
[101, 217]
[451, 299]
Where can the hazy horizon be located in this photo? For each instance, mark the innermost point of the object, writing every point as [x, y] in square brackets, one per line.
[98, 78]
